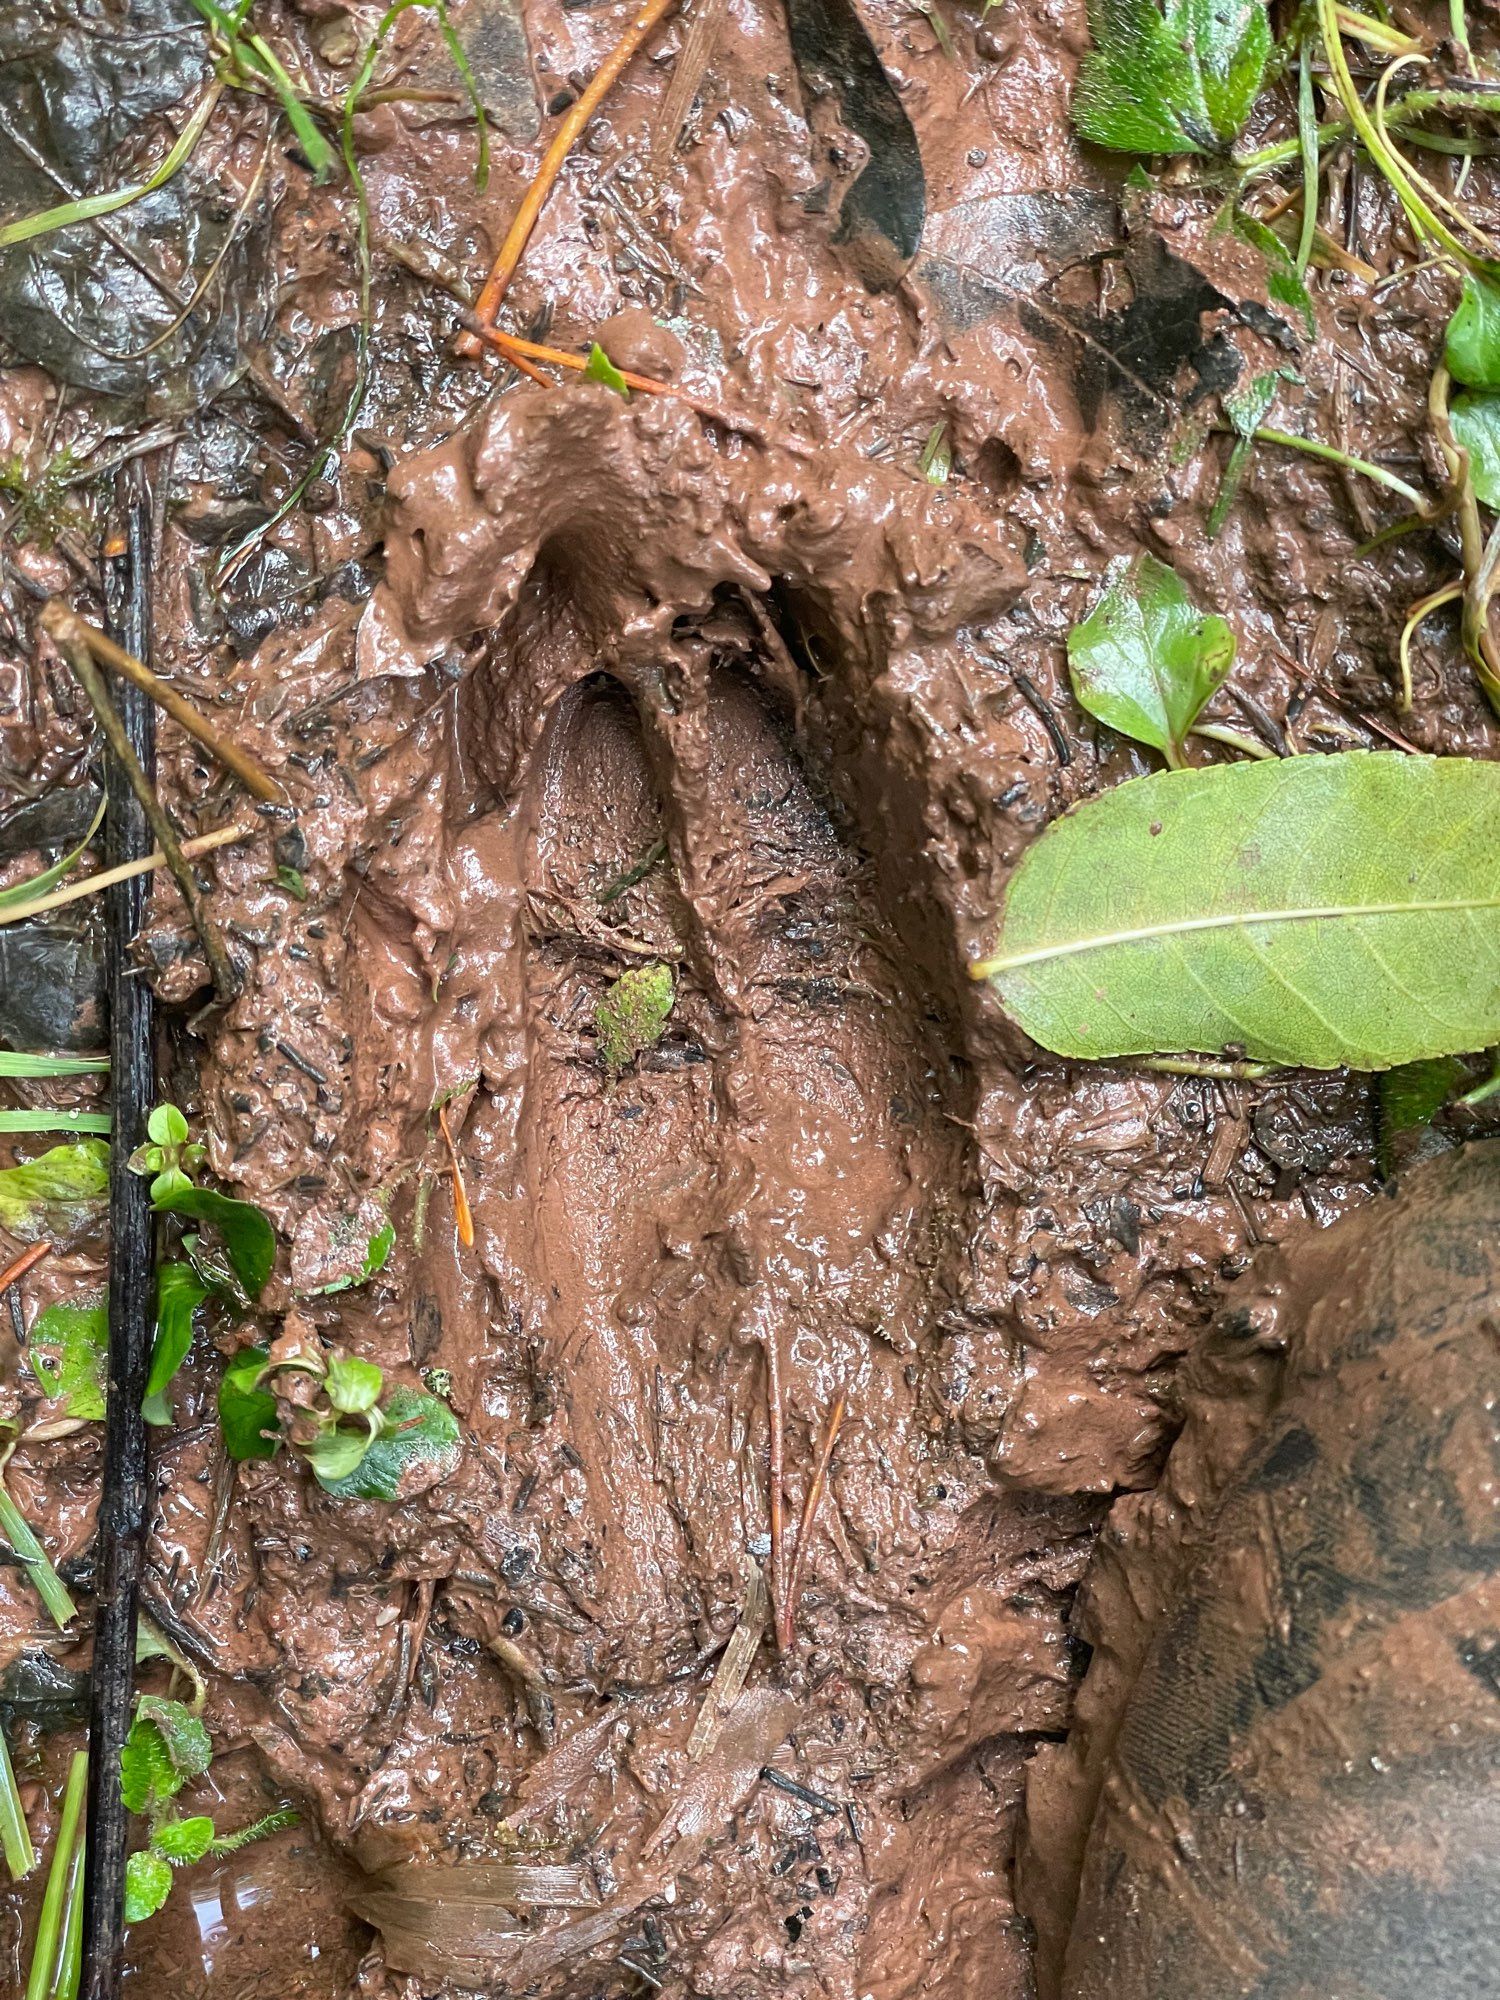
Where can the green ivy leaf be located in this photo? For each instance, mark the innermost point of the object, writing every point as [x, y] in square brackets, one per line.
[420, 1432]
[148, 1883]
[57, 1192]
[249, 1239]
[602, 369]
[75, 1334]
[1473, 349]
[183, 1841]
[1476, 425]
[1179, 81]
[247, 1411]
[179, 1293]
[352, 1385]
[1145, 660]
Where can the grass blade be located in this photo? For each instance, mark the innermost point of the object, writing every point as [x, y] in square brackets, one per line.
[54, 1121]
[47, 1966]
[34, 1559]
[38, 885]
[31, 1068]
[15, 1835]
[87, 207]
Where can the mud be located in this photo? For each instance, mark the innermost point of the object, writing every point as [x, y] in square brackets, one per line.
[558, 685]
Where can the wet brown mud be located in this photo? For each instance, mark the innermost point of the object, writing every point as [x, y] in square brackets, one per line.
[558, 686]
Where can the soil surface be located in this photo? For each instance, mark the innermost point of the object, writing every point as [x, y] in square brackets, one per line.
[559, 684]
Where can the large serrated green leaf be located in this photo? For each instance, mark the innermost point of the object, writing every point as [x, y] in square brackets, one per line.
[1179, 81]
[1318, 911]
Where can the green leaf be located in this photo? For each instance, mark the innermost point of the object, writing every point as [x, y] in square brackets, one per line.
[188, 1743]
[1284, 282]
[336, 1455]
[75, 1334]
[32, 1067]
[166, 1126]
[54, 1119]
[602, 369]
[420, 1432]
[179, 1293]
[936, 462]
[1145, 660]
[1318, 910]
[316, 149]
[1408, 1100]
[183, 1841]
[361, 1250]
[148, 1883]
[1247, 409]
[293, 881]
[633, 1014]
[1473, 350]
[1476, 425]
[352, 1385]
[248, 1236]
[148, 1777]
[1179, 82]
[247, 1412]
[57, 1192]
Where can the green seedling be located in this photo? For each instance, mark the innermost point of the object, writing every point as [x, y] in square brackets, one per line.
[167, 1748]
[633, 1015]
[57, 1192]
[356, 1444]
[1146, 660]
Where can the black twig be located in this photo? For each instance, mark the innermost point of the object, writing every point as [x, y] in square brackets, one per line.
[122, 1498]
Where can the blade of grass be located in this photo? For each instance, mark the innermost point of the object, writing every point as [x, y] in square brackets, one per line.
[19, 1063]
[1307, 139]
[38, 885]
[46, 1951]
[15, 1835]
[48, 1585]
[70, 1945]
[319, 154]
[87, 207]
[52, 1120]
[203, 843]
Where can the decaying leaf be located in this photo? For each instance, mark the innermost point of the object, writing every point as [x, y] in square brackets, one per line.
[1318, 911]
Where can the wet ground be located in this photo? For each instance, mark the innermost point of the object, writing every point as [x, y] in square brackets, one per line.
[557, 685]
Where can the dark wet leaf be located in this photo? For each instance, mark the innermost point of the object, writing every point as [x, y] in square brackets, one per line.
[52, 983]
[69, 1344]
[1476, 425]
[884, 207]
[1408, 1099]
[1145, 660]
[1473, 348]
[38, 1689]
[57, 1192]
[1318, 910]
[421, 1438]
[1182, 81]
[248, 1237]
[247, 1412]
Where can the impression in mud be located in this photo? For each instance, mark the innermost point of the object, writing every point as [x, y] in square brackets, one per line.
[818, 741]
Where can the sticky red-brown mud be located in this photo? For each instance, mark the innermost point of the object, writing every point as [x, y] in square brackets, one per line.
[826, 701]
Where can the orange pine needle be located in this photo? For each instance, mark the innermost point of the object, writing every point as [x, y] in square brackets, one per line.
[563, 140]
[19, 1266]
[463, 1215]
[787, 1611]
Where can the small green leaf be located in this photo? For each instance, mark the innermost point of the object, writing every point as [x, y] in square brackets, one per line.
[75, 1335]
[179, 1293]
[248, 1236]
[1318, 910]
[187, 1741]
[183, 1841]
[247, 1412]
[1476, 425]
[420, 1432]
[936, 462]
[335, 1455]
[602, 369]
[1285, 284]
[633, 1014]
[166, 1126]
[1145, 660]
[351, 1385]
[293, 881]
[1408, 1099]
[1182, 81]
[148, 1777]
[1247, 409]
[148, 1883]
[1473, 350]
[55, 1193]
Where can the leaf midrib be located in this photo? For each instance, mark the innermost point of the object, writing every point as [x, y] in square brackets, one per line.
[988, 968]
